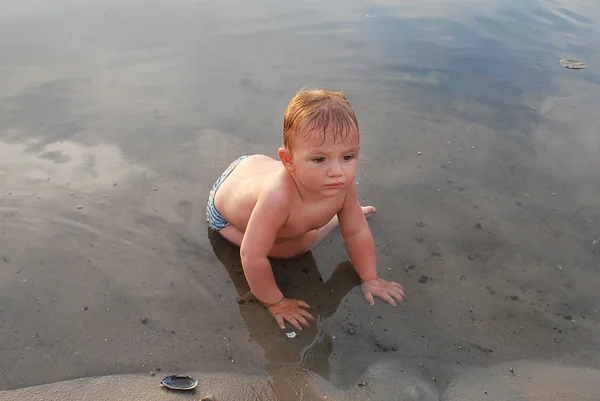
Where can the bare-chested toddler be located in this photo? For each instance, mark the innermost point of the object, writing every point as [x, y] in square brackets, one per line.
[283, 208]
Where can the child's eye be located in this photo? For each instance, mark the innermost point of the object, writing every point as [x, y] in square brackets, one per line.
[319, 159]
[348, 157]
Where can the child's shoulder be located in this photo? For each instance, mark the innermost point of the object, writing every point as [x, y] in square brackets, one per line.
[280, 187]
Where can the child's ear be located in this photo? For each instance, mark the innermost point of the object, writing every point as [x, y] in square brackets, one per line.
[286, 159]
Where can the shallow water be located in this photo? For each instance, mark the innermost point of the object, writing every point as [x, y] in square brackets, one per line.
[116, 119]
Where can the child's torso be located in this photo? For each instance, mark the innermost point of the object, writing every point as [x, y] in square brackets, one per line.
[239, 193]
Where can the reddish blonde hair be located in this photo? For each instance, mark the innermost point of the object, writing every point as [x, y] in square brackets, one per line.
[314, 110]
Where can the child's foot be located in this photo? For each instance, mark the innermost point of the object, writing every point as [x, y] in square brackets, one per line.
[321, 233]
[368, 210]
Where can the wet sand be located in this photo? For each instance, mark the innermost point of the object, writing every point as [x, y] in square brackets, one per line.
[523, 380]
[116, 120]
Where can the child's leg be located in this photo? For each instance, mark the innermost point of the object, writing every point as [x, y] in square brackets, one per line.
[232, 234]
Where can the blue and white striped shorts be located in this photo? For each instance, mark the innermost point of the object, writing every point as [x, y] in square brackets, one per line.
[215, 219]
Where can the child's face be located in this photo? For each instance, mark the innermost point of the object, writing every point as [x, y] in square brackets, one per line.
[326, 167]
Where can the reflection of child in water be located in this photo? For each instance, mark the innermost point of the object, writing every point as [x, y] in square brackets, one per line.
[284, 208]
[297, 277]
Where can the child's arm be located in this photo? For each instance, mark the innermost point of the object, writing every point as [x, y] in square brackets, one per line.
[269, 215]
[361, 250]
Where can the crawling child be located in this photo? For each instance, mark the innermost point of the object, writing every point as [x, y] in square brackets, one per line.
[283, 208]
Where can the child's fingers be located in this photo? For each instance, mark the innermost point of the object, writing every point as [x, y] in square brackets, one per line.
[293, 321]
[388, 299]
[306, 314]
[369, 298]
[399, 295]
[397, 285]
[302, 320]
[303, 304]
[280, 321]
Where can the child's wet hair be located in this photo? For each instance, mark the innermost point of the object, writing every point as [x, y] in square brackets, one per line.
[318, 110]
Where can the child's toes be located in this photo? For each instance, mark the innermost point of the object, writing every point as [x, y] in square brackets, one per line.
[367, 210]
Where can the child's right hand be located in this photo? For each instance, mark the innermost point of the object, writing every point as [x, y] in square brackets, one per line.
[289, 309]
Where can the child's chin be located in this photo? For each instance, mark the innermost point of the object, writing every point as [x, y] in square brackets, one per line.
[332, 190]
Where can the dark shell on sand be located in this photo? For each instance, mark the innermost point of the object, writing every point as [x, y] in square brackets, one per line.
[572, 64]
[179, 382]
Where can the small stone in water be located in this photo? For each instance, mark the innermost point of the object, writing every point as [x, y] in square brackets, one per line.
[155, 189]
[351, 331]
[362, 383]
[84, 308]
[423, 279]
[144, 320]
[572, 64]
[291, 334]
[115, 183]
[419, 153]
[79, 207]
[152, 374]
[420, 224]
[479, 226]
[568, 317]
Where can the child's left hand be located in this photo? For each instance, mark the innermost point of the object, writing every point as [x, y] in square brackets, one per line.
[386, 290]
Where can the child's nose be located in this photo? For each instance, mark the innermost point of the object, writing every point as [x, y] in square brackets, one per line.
[336, 170]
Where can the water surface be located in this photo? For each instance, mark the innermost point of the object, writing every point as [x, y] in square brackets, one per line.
[116, 118]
